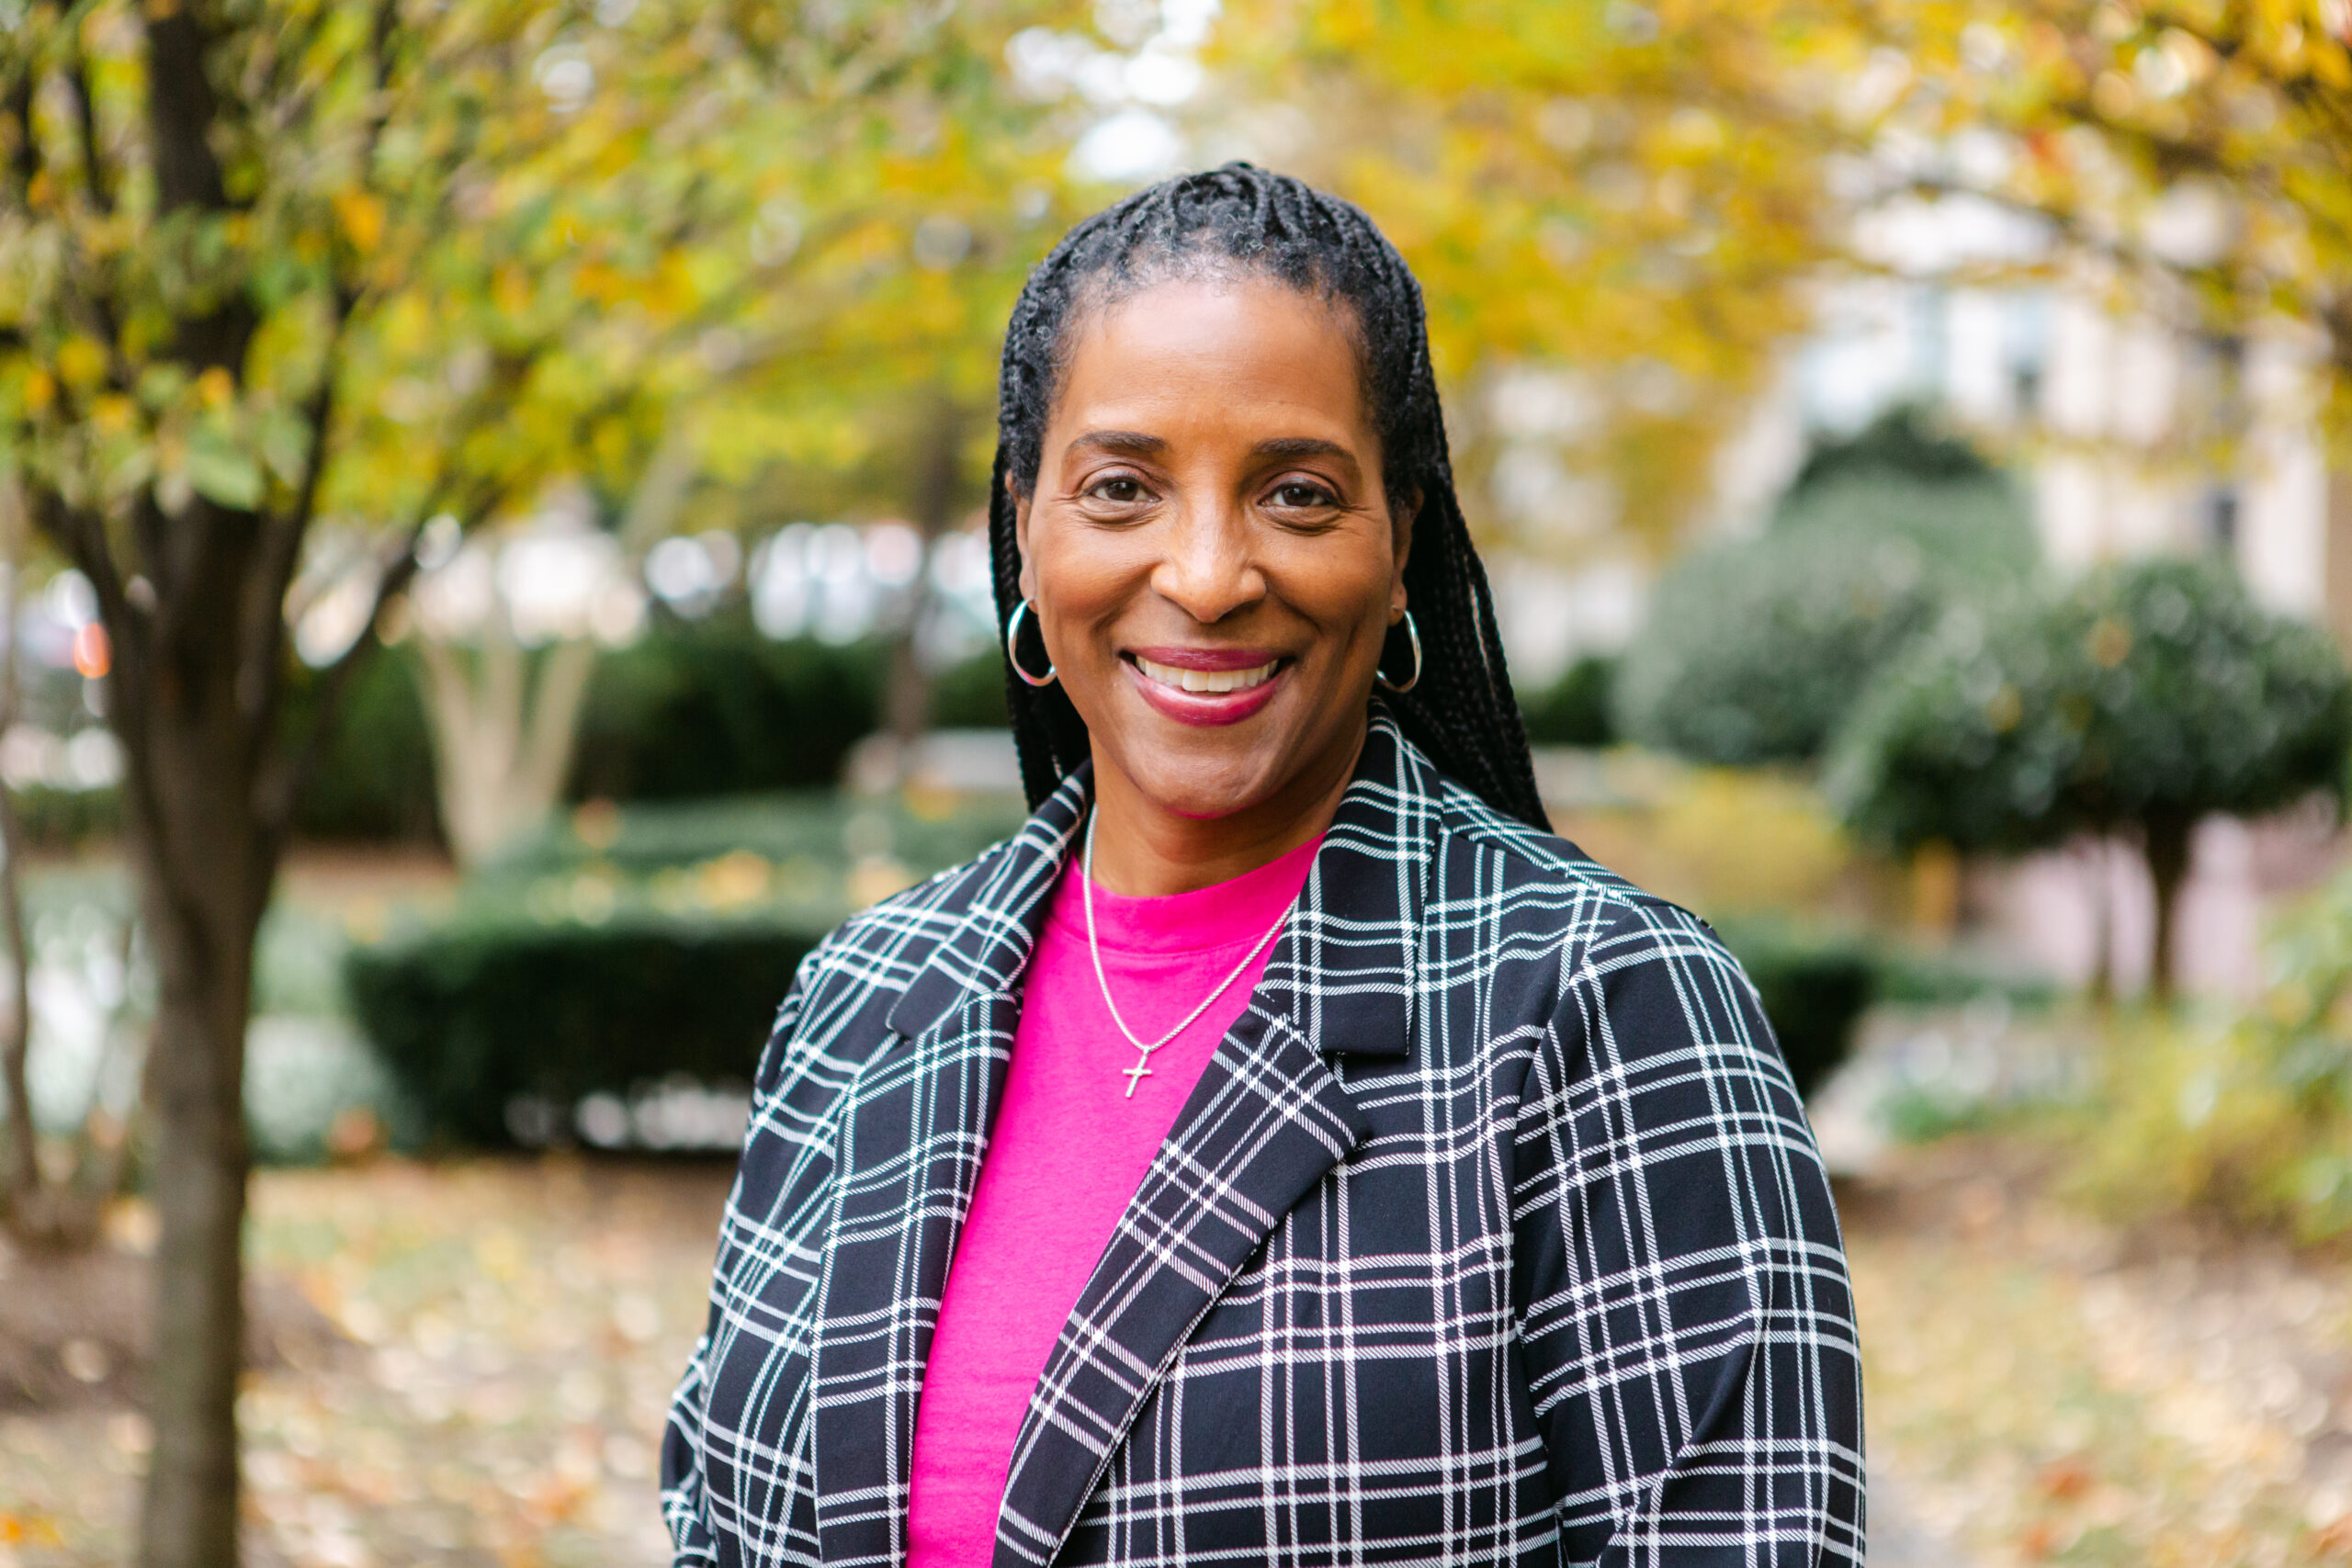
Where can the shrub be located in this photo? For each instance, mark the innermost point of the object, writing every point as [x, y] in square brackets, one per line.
[1755, 648]
[1574, 709]
[480, 1014]
[2245, 1117]
[2148, 696]
[374, 774]
[621, 948]
[714, 707]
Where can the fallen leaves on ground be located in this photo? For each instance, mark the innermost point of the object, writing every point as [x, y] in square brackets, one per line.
[2043, 1389]
[512, 1329]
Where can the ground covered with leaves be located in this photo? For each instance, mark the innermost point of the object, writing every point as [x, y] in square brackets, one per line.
[468, 1364]
[2044, 1388]
[503, 1337]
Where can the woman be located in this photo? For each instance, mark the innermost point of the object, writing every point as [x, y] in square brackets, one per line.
[1281, 1148]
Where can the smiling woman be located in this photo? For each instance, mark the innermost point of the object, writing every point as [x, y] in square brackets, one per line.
[1282, 1147]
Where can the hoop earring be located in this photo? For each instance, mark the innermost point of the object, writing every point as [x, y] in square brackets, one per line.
[1012, 650]
[1413, 634]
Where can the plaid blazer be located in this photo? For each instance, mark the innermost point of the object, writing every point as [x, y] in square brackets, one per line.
[1493, 1232]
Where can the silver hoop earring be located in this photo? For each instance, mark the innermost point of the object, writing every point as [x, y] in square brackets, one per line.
[1012, 650]
[1412, 634]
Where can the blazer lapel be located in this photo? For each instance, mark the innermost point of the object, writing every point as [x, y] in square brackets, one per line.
[913, 1130]
[1268, 1120]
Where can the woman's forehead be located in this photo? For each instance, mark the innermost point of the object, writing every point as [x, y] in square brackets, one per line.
[1190, 348]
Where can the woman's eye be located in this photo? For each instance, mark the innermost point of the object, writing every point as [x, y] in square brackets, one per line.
[1123, 492]
[1298, 494]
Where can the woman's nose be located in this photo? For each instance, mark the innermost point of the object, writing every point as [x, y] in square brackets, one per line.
[1209, 569]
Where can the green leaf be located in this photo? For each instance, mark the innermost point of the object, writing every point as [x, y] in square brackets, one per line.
[223, 474]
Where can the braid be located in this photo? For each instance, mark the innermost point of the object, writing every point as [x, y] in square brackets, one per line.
[1241, 218]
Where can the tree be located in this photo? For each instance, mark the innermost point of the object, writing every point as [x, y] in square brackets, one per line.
[1632, 200]
[2147, 697]
[2199, 150]
[1756, 647]
[383, 262]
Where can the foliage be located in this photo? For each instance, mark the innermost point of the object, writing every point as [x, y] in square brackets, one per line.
[1755, 649]
[2201, 151]
[2148, 696]
[623, 947]
[1904, 442]
[472, 1019]
[971, 695]
[1637, 192]
[712, 707]
[2245, 1116]
[2152, 690]
[374, 778]
[1574, 709]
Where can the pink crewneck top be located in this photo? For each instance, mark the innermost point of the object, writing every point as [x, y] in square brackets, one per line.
[1066, 1153]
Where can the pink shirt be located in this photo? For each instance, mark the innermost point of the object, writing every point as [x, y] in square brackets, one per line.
[1066, 1153]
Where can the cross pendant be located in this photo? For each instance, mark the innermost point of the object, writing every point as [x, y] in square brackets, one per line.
[1135, 1075]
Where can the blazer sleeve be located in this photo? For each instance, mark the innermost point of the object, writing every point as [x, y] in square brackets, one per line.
[1680, 1286]
[684, 1505]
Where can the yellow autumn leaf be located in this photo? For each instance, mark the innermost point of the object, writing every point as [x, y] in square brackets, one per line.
[361, 215]
[112, 414]
[81, 361]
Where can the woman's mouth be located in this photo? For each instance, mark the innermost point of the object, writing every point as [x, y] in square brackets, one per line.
[1207, 680]
[1206, 685]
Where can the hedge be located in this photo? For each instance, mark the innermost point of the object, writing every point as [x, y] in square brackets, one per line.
[620, 948]
[472, 1017]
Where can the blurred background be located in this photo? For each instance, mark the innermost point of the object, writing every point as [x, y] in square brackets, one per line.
[491, 499]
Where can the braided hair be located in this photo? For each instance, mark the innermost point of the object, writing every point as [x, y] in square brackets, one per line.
[1241, 220]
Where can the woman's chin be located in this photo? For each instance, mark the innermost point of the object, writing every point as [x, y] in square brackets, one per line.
[1200, 788]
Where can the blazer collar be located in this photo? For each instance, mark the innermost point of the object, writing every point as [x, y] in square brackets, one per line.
[1344, 969]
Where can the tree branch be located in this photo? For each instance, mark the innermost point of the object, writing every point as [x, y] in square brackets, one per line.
[279, 787]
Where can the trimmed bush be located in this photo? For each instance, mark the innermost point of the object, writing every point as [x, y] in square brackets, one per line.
[1756, 647]
[375, 775]
[475, 1016]
[714, 707]
[2145, 697]
[1574, 709]
[622, 948]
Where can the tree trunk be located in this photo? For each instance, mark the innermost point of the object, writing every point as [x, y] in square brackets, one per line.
[2167, 848]
[2101, 886]
[906, 700]
[504, 738]
[23, 1199]
[205, 869]
[505, 733]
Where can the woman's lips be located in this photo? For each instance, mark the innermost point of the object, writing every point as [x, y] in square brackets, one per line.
[1206, 685]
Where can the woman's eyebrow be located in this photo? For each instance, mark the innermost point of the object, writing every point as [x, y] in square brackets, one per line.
[1301, 447]
[1133, 442]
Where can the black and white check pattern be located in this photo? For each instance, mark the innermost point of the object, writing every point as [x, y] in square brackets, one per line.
[1492, 1232]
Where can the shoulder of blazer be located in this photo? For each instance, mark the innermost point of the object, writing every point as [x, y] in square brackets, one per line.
[881, 947]
[1596, 900]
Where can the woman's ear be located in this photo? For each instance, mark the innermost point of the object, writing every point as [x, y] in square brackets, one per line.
[1401, 532]
[1028, 578]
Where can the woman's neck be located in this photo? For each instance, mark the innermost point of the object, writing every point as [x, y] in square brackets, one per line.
[1145, 850]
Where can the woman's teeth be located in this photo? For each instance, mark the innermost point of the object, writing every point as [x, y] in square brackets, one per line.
[1208, 679]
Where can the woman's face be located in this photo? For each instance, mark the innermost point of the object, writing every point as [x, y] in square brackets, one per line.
[1208, 548]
